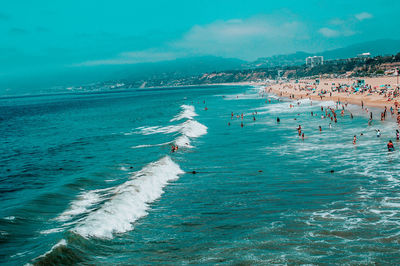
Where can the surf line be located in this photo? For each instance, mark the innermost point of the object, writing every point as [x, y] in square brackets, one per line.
[206, 172]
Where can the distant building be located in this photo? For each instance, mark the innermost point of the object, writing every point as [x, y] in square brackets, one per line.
[313, 61]
[364, 55]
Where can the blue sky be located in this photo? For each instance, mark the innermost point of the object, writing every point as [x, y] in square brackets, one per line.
[40, 36]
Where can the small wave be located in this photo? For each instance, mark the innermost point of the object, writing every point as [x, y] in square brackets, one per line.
[81, 205]
[130, 201]
[187, 113]
[158, 129]
[149, 145]
[188, 129]
[183, 141]
[51, 231]
[62, 242]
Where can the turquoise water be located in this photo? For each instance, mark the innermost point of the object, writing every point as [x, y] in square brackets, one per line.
[90, 179]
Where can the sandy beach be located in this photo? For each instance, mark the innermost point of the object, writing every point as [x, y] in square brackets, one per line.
[372, 92]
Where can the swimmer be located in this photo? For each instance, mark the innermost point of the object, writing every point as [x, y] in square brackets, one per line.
[354, 139]
[397, 134]
[302, 136]
[278, 120]
[174, 148]
[378, 133]
[330, 125]
[241, 124]
[320, 128]
[390, 146]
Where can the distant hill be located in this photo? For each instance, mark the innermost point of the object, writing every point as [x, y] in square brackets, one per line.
[378, 47]
[180, 67]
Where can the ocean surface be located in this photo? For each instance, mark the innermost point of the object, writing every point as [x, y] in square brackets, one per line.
[90, 179]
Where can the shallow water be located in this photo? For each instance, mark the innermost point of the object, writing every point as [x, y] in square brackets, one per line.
[89, 178]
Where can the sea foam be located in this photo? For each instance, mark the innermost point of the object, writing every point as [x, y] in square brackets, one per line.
[130, 200]
[188, 130]
[187, 113]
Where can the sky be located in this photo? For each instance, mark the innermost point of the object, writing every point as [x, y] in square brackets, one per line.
[54, 36]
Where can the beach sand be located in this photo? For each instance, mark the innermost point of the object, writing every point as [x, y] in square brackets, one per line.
[372, 98]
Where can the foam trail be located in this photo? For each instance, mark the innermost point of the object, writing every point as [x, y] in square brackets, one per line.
[81, 205]
[193, 129]
[187, 113]
[158, 129]
[130, 201]
[189, 129]
[183, 141]
[149, 145]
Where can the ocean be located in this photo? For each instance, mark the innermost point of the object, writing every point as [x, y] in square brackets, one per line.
[90, 178]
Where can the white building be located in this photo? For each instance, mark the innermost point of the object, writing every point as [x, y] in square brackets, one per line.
[364, 55]
[313, 61]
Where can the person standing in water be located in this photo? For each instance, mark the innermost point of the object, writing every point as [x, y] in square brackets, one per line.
[354, 139]
[378, 133]
[299, 130]
[397, 134]
[390, 146]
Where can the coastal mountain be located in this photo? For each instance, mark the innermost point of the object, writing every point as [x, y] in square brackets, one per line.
[376, 48]
[181, 67]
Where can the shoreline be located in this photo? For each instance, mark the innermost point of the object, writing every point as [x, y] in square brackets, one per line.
[332, 90]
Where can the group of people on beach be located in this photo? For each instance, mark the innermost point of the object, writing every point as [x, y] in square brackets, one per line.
[331, 113]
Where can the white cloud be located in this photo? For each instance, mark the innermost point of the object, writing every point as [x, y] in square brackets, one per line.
[362, 16]
[327, 32]
[135, 57]
[240, 38]
[333, 33]
[243, 37]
